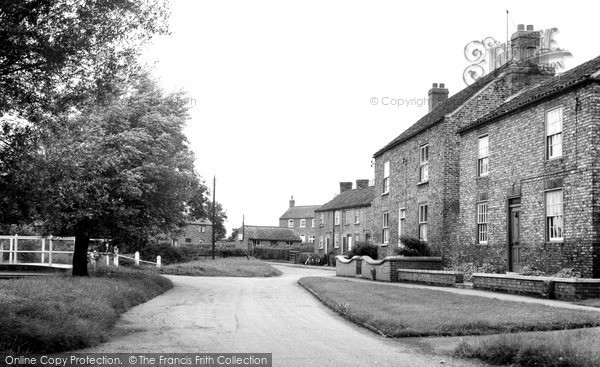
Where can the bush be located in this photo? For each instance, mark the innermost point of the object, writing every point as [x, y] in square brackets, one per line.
[267, 253]
[413, 247]
[363, 249]
[233, 252]
[168, 254]
[304, 248]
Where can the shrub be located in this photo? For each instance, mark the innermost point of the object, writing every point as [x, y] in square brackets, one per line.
[168, 254]
[233, 252]
[413, 247]
[266, 253]
[467, 269]
[529, 270]
[363, 249]
[304, 248]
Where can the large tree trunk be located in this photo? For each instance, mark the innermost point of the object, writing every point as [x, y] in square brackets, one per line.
[82, 241]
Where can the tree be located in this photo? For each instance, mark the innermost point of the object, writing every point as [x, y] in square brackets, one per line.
[234, 234]
[221, 216]
[54, 53]
[121, 170]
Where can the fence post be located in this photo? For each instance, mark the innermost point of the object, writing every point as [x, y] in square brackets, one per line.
[10, 251]
[137, 258]
[158, 262]
[50, 248]
[107, 258]
[15, 256]
[116, 260]
[43, 249]
[1, 252]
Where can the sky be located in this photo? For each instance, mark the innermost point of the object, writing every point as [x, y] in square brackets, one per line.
[281, 92]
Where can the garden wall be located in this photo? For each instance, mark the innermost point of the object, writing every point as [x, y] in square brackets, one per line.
[433, 277]
[568, 289]
[347, 267]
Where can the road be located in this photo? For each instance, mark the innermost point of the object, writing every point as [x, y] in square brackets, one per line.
[258, 315]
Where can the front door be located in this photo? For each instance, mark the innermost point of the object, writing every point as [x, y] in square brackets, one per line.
[344, 244]
[349, 242]
[514, 237]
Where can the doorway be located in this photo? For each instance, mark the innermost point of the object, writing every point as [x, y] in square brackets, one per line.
[514, 234]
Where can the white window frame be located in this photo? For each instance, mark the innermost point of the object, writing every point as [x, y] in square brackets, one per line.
[322, 218]
[336, 240]
[385, 224]
[327, 242]
[312, 223]
[336, 215]
[424, 163]
[386, 177]
[290, 223]
[554, 133]
[321, 242]
[401, 222]
[356, 216]
[303, 238]
[311, 239]
[302, 223]
[483, 152]
[423, 218]
[482, 223]
[555, 222]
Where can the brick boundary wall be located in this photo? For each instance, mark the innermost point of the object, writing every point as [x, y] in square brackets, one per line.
[433, 277]
[346, 267]
[568, 289]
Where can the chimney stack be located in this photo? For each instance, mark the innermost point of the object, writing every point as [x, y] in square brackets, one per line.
[362, 184]
[437, 95]
[292, 202]
[525, 44]
[345, 186]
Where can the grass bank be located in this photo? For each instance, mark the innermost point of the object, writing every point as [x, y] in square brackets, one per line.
[410, 312]
[573, 348]
[227, 267]
[57, 313]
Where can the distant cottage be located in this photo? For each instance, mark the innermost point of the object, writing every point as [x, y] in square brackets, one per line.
[266, 236]
[301, 220]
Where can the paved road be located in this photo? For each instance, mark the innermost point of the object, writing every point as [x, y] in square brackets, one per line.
[258, 315]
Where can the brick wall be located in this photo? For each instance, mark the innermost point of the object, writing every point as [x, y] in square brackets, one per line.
[193, 235]
[433, 277]
[307, 231]
[359, 232]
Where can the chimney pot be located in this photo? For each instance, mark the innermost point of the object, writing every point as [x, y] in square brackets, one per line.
[530, 27]
[434, 85]
[442, 85]
[292, 202]
[521, 27]
[362, 184]
[345, 186]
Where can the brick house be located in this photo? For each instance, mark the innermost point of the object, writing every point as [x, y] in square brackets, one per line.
[194, 233]
[266, 236]
[346, 219]
[417, 173]
[301, 220]
[530, 178]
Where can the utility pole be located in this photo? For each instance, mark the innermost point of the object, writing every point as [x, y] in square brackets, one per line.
[213, 216]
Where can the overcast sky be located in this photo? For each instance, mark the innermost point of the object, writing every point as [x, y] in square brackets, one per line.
[280, 91]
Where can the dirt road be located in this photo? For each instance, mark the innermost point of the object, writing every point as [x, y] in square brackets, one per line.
[258, 315]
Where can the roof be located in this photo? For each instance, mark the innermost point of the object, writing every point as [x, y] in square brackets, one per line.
[354, 198]
[588, 71]
[270, 233]
[202, 221]
[448, 106]
[299, 212]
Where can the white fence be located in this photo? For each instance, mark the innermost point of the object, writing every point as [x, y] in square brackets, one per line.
[46, 248]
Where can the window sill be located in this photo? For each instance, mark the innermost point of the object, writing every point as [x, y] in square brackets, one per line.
[555, 242]
[484, 177]
[422, 183]
[383, 245]
[356, 223]
[385, 193]
[554, 159]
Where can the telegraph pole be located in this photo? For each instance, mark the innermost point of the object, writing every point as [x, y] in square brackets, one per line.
[213, 216]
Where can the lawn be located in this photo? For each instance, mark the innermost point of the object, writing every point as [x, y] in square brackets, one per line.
[57, 313]
[571, 348]
[226, 267]
[409, 312]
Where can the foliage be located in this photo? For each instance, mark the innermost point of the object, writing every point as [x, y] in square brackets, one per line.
[306, 247]
[233, 235]
[267, 253]
[467, 269]
[54, 53]
[310, 258]
[220, 218]
[413, 247]
[531, 271]
[57, 313]
[428, 312]
[233, 252]
[168, 254]
[363, 249]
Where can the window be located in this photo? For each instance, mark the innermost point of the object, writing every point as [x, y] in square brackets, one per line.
[188, 240]
[257, 242]
[291, 223]
[554, 126]
[337, 217]
[327, 242]
[302, 223]
[401, 223]
[336, 240]
[202, 229]
[320, 242]
[385, 235]
[554, 215]
[303, 238]
[349, 217]
[423, 222]
[424, 163]
[386, 177]
[311, 239]
[482, 219]
[312, 223]
[357, 237]
[322, 218]
[482, 156]
[357, 216]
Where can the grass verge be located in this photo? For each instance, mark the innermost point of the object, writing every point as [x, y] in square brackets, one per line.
[409, 312]
[58, 313]
[227, 267]
[577, 348]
